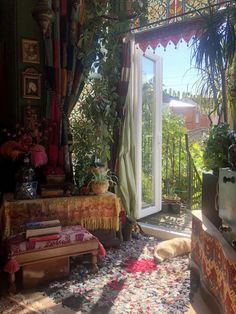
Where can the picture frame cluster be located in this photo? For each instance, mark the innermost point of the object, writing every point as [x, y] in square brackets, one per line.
[31, 78]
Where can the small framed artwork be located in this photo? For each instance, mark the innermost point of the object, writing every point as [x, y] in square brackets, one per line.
[30, 51]
[31, 84]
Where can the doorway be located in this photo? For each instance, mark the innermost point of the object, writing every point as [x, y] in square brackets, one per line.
[147, 86]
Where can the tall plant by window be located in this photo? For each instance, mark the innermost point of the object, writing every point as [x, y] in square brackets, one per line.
[213, 53]
[96, 111]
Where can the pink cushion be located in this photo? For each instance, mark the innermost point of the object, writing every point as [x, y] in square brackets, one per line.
[17, 244]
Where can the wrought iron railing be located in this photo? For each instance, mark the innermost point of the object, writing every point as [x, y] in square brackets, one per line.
[179, 173]
[194, 181]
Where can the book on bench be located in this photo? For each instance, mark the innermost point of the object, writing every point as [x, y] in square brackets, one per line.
[42, 224]
[47, 237]
[41, 228]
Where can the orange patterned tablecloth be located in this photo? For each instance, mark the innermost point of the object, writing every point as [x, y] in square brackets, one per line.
[92, 212]
[216, 262]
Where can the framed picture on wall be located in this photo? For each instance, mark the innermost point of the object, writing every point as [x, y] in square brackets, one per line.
[31, 84]
[30, 51]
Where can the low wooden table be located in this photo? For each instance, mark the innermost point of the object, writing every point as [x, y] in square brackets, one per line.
[45, 261]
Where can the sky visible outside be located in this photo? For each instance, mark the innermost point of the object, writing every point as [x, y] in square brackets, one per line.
[178, 74]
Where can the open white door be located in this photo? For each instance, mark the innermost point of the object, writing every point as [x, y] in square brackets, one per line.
[147, 94]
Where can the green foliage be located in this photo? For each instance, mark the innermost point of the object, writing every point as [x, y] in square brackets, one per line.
[147, 142]
[174, 157]
[215, 154]
[84, 141]
[101, 110]
[196, 150]
[103, 177]
[213, 53]
[147, 188]
[94, 117]
[172, 195]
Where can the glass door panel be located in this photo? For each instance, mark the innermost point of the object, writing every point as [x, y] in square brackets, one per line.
[148, 119]
[147, 100]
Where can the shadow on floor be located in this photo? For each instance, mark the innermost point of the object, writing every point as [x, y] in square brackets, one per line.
[180, 222]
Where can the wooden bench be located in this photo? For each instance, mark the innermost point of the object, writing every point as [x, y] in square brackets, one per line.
[43, 261]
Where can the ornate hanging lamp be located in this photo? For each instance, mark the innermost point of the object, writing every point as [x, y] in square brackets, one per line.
[44, 15]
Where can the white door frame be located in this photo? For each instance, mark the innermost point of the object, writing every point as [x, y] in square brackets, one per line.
[137, 107]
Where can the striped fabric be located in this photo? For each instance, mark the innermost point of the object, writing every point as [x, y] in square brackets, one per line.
[63, 76]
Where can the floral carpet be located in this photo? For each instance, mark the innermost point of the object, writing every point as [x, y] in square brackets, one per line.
[128, 281]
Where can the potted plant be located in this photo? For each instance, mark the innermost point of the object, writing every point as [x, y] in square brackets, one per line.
[171, 202]
[215, 154]
[213, 53]
[100, 181]
[92, 128]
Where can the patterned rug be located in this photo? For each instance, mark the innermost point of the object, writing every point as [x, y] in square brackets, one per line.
[10, 306]
[127, 282]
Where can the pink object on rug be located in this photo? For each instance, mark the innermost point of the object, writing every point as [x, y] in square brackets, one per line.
[142, 265]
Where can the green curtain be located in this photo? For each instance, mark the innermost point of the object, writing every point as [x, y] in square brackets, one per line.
[126, 162]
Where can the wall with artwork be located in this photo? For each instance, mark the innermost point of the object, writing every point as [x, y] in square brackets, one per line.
[21, 77]
[30, 56]
[21, 62]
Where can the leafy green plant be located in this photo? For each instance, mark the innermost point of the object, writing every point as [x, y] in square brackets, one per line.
[174, 159]
[213, 52]
[215, 154]
[101, 104]
[95, 115]
[171, 195]
[196, 149]
[100, 177]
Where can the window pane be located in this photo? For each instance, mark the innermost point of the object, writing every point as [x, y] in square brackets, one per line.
[148, 116]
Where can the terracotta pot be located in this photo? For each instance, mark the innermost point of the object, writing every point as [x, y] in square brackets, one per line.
[100, 187]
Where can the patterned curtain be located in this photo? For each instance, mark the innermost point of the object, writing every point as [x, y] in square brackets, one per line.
[64, 72]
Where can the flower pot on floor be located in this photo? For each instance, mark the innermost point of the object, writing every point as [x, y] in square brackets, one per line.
[174, 208]
[164, 207]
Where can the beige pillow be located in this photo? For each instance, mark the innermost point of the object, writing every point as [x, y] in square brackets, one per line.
[171, 248]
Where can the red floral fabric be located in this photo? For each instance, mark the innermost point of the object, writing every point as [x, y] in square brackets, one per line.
[18, 244]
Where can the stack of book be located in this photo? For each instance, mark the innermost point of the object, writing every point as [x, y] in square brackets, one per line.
[43, 230]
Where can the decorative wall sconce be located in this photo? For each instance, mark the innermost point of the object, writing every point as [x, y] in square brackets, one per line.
[44, 15]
